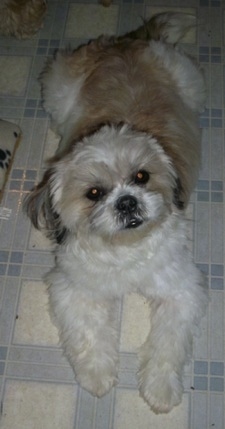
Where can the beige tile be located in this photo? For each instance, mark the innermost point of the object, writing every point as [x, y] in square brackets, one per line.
[29, 405]
[190, 36]
[135, 323]
[133, 413]
[14, 75]
[90, 21]
[33, 325]
[38, 241]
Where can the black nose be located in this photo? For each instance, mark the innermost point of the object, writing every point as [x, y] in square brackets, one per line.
[126, 204]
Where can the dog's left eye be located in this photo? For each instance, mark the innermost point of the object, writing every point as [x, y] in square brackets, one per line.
[95, 194]
[142, 177]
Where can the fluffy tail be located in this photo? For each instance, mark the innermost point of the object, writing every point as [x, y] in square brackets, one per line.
[169, 27]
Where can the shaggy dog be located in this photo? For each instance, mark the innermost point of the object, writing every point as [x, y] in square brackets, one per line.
[21, 18]
[113, 198]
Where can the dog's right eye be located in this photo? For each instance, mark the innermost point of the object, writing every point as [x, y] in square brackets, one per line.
[95, 194]
[142, 177]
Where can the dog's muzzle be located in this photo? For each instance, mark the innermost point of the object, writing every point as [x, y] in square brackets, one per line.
[127, 206]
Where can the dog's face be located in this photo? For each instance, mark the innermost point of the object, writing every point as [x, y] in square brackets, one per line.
[115, 181]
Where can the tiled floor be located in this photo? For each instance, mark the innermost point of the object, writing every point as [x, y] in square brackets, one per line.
[37, 386]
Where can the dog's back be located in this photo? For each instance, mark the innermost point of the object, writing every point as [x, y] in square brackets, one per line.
[147, 84]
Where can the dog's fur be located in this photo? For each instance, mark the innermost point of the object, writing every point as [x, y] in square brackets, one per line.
[114, 198]
[21, 18]
[105, 3]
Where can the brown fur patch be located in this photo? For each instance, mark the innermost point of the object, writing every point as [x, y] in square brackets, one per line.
[121, 86]
[21, 18]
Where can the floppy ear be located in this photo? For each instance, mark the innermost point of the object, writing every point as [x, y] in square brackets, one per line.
[39, 208]
[177, 195]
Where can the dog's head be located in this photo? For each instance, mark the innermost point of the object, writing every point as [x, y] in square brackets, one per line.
[114, 181]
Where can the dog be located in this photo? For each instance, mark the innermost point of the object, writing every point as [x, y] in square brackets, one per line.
[113, 199]
[21, 18]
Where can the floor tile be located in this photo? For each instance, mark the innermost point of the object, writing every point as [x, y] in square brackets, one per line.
[132, 412]
[29, 405]
[89, 21]
[33, 324]
[14, 75]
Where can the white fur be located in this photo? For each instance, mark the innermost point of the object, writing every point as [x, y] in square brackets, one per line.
[101, 261]
[174, 25]
[62, 98]
[183, 70]
[85, 286]
[108, 248]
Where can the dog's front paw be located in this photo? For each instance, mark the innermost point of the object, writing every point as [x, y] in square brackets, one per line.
[96, 381]
[97, 373]
[162, 390]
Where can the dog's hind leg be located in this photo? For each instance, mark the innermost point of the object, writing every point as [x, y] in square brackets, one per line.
[169, 27]
[60, 95]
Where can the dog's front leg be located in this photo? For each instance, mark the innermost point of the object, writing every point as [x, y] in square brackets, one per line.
[88, 332]
[167, 348]
[162, 358]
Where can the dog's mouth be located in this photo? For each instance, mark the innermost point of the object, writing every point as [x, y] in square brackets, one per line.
[133, 223]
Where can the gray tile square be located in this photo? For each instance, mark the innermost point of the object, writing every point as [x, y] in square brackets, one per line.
[217, 284]
[16, 257]
[217, 270]
[201, 367]
[2, 367]
[217, 197]
[17, 174]
[14, 270]
[3, 352]
[4, 256]
[217, 185]
[216, 384]
[30, 174]
[2, 269]
[217, 368]
[201, 383]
